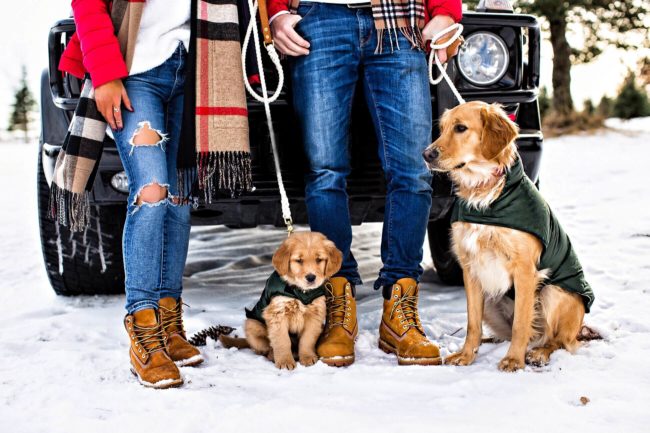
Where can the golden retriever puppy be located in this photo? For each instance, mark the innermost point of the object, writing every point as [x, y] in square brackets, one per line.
[293, 301]
[521, 274]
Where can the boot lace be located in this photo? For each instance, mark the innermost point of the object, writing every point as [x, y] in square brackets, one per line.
[408, 304]
[150, 339]
[336, 306]
[172, 319]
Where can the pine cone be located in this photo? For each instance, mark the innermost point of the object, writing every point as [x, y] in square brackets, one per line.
[199, 339]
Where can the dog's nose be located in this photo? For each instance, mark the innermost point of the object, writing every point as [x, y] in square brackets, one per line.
[310, 278]
[430, 154]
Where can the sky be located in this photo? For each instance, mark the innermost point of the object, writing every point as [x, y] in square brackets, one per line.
[26, 24]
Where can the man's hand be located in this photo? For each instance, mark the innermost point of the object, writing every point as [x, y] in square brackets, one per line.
[285, 38]
[433, 27]
[109, 98]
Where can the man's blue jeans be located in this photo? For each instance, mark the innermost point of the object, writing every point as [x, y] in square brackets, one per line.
[395, 82]
[156, 235]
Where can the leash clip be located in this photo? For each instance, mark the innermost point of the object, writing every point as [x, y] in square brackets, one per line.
[289, 223]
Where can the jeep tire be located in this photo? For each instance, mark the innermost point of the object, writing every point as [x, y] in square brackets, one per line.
[85, 263]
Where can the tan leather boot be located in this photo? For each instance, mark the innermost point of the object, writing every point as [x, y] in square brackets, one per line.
[336, 347]
[179, 349]
[401, 331]
[149, 359]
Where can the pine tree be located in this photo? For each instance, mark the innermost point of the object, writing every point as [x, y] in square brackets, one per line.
[605, 106]
[24, 104]
[632, 101]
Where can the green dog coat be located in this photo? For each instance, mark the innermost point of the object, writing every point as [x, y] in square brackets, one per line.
[276, 286]
[521, 207]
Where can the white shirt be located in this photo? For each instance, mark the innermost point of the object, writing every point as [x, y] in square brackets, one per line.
[164, 24]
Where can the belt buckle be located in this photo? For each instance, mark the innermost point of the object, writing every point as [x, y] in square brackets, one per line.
[359, 5]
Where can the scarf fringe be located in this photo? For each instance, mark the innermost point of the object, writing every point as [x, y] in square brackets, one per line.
[220, 170]
[412, 34]
[69, 209]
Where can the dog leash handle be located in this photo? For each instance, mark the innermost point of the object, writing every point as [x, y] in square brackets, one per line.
[457, 28]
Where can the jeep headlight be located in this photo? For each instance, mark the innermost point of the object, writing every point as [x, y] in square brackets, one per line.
[483, 59]
[120, 182]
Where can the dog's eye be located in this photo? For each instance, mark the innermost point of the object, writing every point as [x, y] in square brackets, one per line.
[460, 128]
[319, 260]
[299, 261]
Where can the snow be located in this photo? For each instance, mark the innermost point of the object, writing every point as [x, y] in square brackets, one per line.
[639, 124]
[65, 367]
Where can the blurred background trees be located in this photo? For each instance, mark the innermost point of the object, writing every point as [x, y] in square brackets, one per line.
[599, 23]
[22, 108]
[632, 100]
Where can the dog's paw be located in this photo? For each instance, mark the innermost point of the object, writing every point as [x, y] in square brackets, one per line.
[538, 357]
[460, 358]
[285, 362]
[511, 364]
[308, 359]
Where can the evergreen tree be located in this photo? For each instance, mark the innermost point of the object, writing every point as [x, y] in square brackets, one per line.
[24, 104]
[605, 107]
[632, 101]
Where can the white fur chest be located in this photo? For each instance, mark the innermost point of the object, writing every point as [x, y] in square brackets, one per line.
[475, 245]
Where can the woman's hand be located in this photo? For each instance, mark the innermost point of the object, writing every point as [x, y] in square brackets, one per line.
[433, 27]
[109, 98]
[285, 38]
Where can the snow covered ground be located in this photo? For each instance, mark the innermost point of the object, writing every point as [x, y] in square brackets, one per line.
[64, 365]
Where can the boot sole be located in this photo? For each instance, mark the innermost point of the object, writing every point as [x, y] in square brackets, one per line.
[161, 384]
[189, 362]
[408, 361]
[338, 361]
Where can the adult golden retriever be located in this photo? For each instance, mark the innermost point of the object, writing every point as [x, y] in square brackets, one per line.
[477, 149]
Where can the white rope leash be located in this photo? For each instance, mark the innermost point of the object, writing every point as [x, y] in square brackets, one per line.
[433, 57]
[266, 100]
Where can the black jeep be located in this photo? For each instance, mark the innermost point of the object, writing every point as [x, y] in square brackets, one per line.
[499, 62]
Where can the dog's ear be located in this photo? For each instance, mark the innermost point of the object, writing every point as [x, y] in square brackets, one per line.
[282, 256]
[334, 258]
[498, 131]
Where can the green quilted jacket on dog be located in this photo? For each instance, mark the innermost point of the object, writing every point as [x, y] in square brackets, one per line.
[276, 286]
[521, 207]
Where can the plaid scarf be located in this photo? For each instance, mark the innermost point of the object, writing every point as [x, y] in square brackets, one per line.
[214, 153]
[407, 16]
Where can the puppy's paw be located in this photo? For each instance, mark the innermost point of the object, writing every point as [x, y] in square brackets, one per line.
[285, 362]
[510, 364]
[308, 359]
[460, 358]
[538, 357]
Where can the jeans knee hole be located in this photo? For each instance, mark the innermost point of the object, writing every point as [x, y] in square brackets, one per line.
[146, 136]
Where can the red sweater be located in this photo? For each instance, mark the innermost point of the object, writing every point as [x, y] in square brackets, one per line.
[452, 8]
[94, 48]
